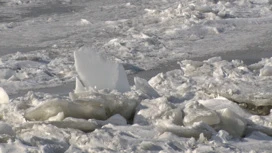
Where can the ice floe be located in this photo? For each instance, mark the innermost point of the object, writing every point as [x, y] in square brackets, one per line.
[213, 105]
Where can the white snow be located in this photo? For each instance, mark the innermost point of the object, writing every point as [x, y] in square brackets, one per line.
[116, 119]
[84, 22]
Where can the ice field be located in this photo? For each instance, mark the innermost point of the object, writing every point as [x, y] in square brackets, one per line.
[135, 76]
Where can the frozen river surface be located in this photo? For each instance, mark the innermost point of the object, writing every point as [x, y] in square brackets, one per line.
[193, 100]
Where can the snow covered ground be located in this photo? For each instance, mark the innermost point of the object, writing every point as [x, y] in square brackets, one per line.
[191, 101]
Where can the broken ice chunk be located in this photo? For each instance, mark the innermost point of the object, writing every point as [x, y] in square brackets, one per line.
[6, 132]
[74, 123]
[6, 129]
[232, 123]
[266, 71]
[4, 98]
[150, 111]
[221, 103]
[59, 117]
[79, 86]
[143, 86]
[99, 73]
[52, 108]
[196, 112]
[113, 103]
[189, 131]
[116, 119]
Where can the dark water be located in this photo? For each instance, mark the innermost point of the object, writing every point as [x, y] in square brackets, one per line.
[5, 18]
[249, 57]
[11, 50]
[33, 12]
[2, 3]
[49, 9]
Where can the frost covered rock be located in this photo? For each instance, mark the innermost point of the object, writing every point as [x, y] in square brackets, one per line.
[143, 86]
[196, 112]
[232, 123]
[52, 108]
[4, 98]
[99, 73]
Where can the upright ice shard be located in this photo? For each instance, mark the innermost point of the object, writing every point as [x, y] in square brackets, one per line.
[96, 72]
[79, 86]
[4, 98]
